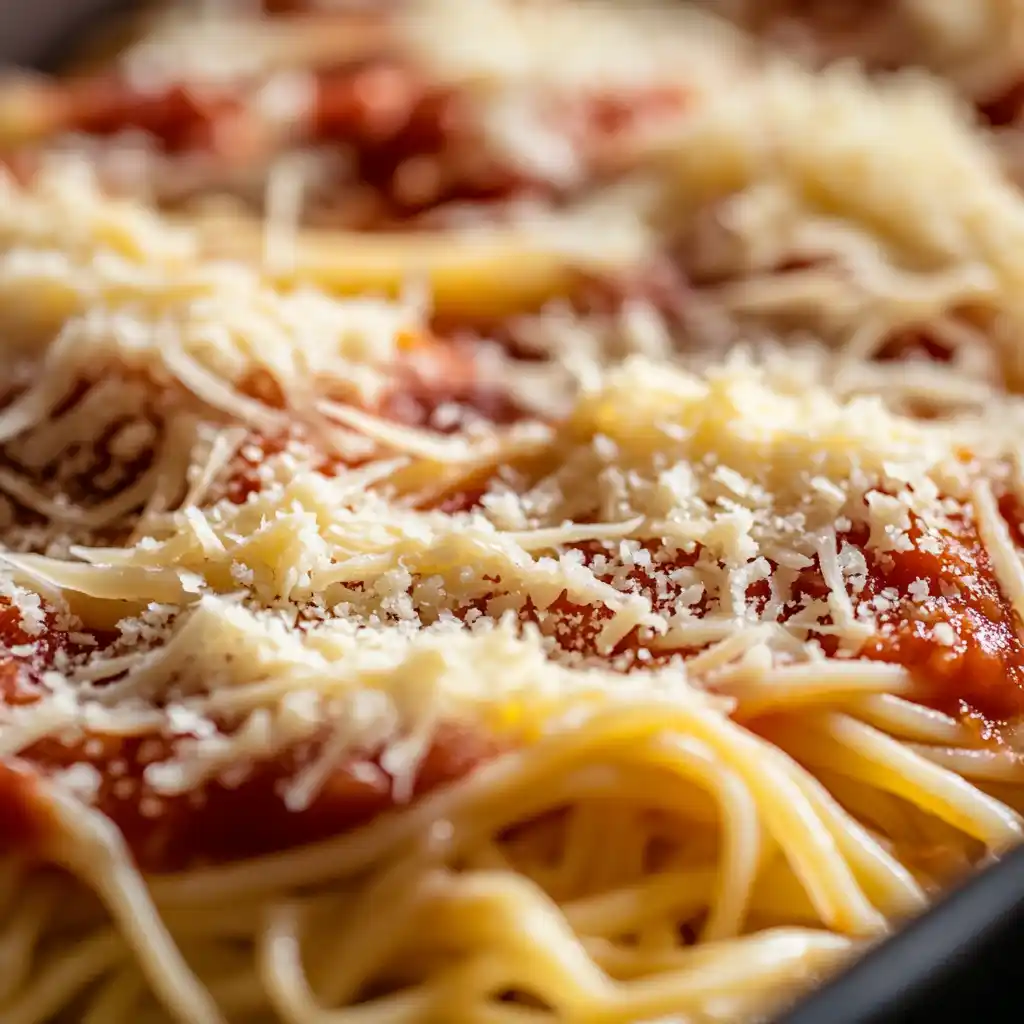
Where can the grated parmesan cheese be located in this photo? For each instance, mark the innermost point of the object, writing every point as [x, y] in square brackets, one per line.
[272, 579]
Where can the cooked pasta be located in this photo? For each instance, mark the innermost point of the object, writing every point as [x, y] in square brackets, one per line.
[589, 593]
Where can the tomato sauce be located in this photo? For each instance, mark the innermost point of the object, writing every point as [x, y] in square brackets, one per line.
[912, 345]
[1004, 110]
[415, 146]
[221, 821]
[441, 372]
[19, 673]
[939, 608]
[433, 373]
[183, 119]
[244, 812]
[25, 824]
[24, 820]
[940, 613]
[241, 814]
[976, 668]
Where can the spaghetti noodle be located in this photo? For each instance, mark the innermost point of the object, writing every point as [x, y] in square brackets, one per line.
[359, 669]
[656, 117]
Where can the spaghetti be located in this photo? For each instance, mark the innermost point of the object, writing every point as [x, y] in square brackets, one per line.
[357, 668]
[395, 123]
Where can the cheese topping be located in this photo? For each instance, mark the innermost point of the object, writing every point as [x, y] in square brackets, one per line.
[328, 609]
[202, 466]
[671, 513]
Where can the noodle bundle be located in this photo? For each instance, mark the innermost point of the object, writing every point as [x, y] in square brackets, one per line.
[509, 512]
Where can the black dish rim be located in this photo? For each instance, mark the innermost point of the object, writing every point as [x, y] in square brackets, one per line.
[962, 956]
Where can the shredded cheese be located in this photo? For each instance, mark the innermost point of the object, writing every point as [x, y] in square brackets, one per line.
[279, 563]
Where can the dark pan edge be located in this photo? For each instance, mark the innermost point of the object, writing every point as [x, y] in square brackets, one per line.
[959, 956]
[42, 34]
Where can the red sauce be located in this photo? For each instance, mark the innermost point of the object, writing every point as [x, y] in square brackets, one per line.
[611, 114]
[1004, 110]
[183, 119]
[465, 500]
[20, 675]
[577, 627]
[24, 821]
[429, 372]
[247, 816]
[982, 672]
[221, 820]
[420, 146]
[416, 146]
[439, 372]
[433, 373]
[977, 674]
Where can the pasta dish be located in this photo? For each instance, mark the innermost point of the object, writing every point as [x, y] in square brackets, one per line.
[511, 511]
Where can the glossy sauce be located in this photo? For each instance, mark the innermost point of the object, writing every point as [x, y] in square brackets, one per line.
[962, 641]
[981, 674]
[240, 815]
[244, 813]
[978, 676]
[976, 671]
[250, 816]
